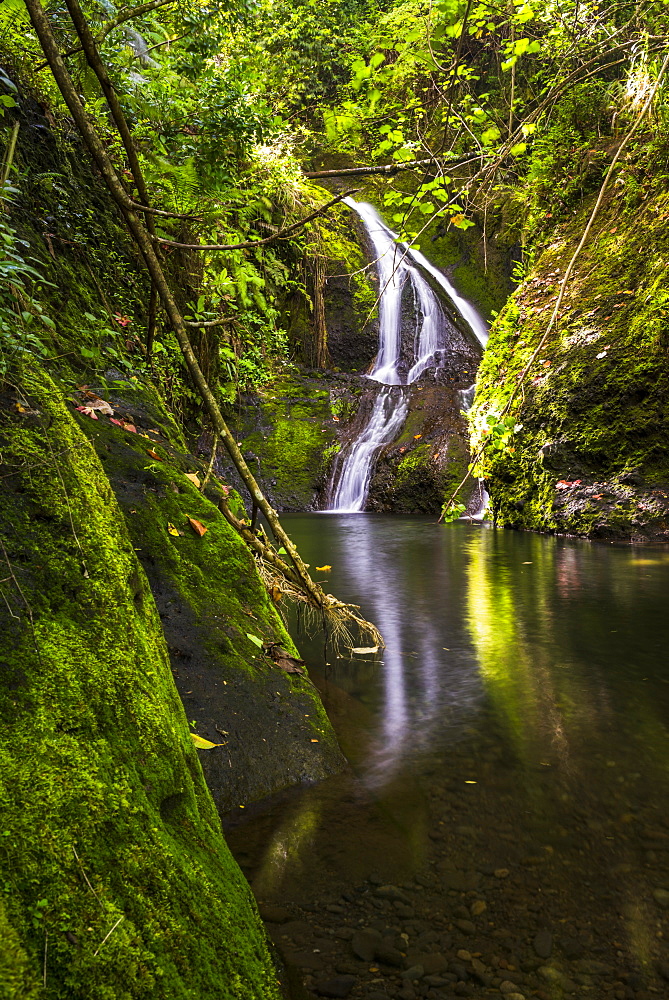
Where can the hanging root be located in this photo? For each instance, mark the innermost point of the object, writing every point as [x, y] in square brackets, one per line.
[282, 582]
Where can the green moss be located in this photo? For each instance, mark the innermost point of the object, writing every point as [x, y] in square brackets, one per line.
[285, 436]
[596, 402]
[116, 880]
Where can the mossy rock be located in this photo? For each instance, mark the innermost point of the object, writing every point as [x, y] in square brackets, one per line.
[116, 880]
[285, 432]
[592, 457]
[211, 602]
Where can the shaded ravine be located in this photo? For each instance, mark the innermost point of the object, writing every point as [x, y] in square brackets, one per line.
[398, 267]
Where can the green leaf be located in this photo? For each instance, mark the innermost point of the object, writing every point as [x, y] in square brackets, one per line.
[254, 639]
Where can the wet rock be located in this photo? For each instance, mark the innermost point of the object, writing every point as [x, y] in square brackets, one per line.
[572, 947]
[432, 963]
[478, 907]
[389, 956]
[459, 881]
[274, 914]
[463, 989]
[414, 973]
[543, 943]
[339, 987]
[661, 897]
[592, 968]
[557, 978]
[507, 987]
[466, 926]
[392, 893]
[365, 943]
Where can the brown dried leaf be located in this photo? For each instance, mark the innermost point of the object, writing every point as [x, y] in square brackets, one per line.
[197, 526]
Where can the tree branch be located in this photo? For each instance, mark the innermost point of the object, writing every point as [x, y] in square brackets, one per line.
[144, 8]
[388, 168]
[311, 590]
[258, 243]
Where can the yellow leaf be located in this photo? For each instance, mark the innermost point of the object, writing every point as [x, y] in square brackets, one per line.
[171, 529]
[194, 478]
[203, 744]
[323, 569]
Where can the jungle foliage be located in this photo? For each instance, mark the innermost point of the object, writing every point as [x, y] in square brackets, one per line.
[229, 105]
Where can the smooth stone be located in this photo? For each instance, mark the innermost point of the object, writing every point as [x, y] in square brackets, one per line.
[389, 956]
[466, 926]
[592, 968]
[393, 893]
[459, 881]
[661, 897]
[339, 987]
[433, 963]
[552, 975]
[364, 943]
[414, 973]
[508, 987]
[543, 944]
[274, 914]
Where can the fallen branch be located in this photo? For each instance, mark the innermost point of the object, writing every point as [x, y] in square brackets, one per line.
[388, 168]
[312, 591]
[268, 239]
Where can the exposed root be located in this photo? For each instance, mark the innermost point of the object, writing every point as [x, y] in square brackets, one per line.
[336, 617]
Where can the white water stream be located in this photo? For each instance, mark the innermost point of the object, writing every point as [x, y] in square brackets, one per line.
[396, 265]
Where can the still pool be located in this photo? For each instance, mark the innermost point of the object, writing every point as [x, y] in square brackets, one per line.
[509, 755]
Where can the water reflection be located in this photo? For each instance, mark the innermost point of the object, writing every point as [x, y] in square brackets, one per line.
[534, 666]
[549, 640]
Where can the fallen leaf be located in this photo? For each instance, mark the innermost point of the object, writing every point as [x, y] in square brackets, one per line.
[283, 659]
[203, 744]
[124, 425]
[101, 405]
[197, 526]
[417, 436]
[20, 409]
[171, 530]
[323, 569]
[194, 478]
[365, 649]
[89, 411]
[254, 639]
[153, 454]
[602, 354]
[276, 594]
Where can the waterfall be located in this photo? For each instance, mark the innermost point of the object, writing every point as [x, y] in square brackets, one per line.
[397, 265]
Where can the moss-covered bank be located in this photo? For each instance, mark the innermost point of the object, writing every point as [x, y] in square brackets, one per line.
[593, 455]
[116, 880]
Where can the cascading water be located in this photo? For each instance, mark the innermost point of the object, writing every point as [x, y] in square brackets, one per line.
[396, 266]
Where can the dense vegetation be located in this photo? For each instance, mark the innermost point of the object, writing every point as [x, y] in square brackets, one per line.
[170, 196]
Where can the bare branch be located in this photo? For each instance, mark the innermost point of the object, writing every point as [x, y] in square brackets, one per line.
[258, 243]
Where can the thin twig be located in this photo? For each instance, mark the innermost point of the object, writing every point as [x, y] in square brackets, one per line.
[258, 243]
[212, 459]
[108, 935]
[86, 880]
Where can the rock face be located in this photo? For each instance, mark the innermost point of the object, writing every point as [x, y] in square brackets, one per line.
[211, 600]
[592, 456]
[118, 880]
